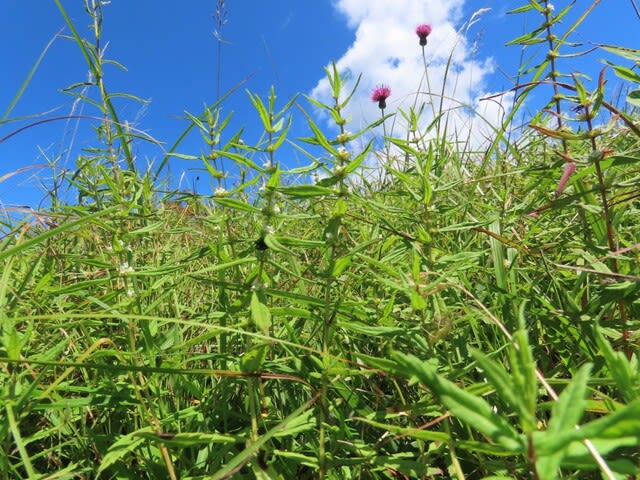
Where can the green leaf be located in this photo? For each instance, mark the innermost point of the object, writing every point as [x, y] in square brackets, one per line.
[634, 98]
[283, 136]
[188, 439]
[373, 331]
[435, 436]
[272, 242]
[568, 409]
[236, 204]
[257, 103]
[565, 415]
[625, 52]
[239, 159]
[497, 251]
[621, 423]
[253, 358]
[123, 447]
[623, 372]
[468, 408]
[418, 433]
[530, 38]
[299, 242]
[21, 247]
[305, 191]
[403, 463]
[320, 137]
[260, 314]
[355, 163]
[247, 454]
[626, 73]
[386, 365]
[525, 381]
[341, 264]
[498, 378]
[522, 9]
[27, 80]
[198, 123]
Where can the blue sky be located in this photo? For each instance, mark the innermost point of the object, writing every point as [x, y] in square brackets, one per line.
[170, 52]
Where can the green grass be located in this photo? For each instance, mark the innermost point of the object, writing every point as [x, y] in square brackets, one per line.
[452, 319]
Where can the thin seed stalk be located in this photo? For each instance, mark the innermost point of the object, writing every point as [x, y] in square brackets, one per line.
[328, 318]
[553, 74]
[608, 218]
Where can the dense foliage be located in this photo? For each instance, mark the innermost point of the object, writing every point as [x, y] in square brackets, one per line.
[443, 311]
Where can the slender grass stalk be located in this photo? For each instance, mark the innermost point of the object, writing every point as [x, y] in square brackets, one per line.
[93, 59]
[19, 442]
[553, 71]
[598, 156]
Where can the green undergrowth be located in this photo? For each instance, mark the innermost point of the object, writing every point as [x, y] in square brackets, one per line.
[460, 316]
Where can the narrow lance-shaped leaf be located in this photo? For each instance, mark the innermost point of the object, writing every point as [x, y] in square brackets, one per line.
[283, 136]
[304, 191]
[248, 453]
[619, 424]
[498, 378]
[236, 204]
[523, 372]
[356, 162]
[260, 314]
[469, 408]
[569, 408]
[621, 369]
[123, 447]
[320, 136]
[256, 101]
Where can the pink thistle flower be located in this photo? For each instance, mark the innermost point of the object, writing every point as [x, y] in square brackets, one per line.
[380, 95]
[423, 31]
[569, 168]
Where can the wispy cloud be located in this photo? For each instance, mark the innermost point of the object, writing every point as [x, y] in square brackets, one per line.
[287, 21]
[385, 50]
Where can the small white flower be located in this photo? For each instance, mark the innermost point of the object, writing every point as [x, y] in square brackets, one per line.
[269, 229]
[257, 285]
[130, 292]
[267, 164]
[124, 268]
[276, 209]
[220, 192]
[344, 137]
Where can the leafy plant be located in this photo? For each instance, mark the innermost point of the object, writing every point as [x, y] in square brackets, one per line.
[398, 307]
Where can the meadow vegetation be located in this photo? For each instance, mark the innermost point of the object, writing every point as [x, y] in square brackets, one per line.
[445, 311]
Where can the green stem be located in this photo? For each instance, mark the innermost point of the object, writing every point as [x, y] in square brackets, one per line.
[15, 431]
[608, 218]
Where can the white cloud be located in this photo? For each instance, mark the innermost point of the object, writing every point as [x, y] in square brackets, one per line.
[385, 51]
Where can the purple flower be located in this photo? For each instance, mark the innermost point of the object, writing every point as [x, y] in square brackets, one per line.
[423, 31]
[380, 95]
